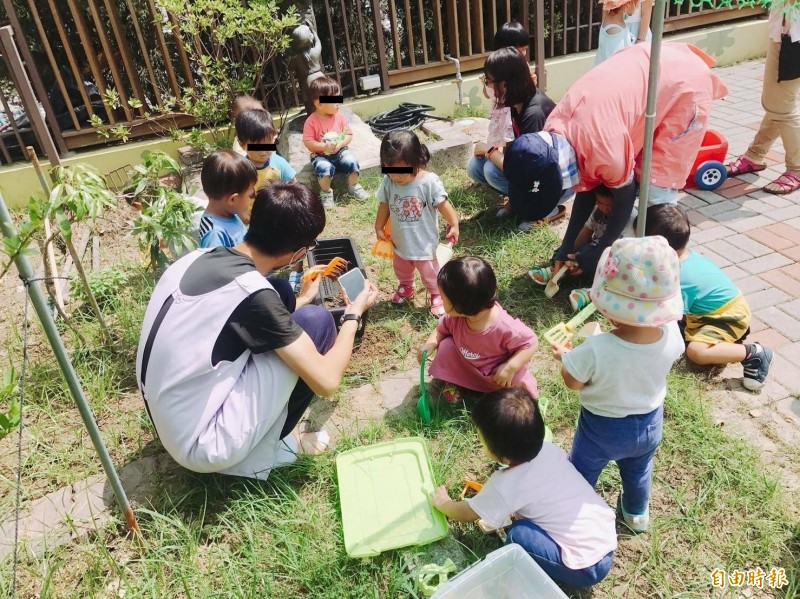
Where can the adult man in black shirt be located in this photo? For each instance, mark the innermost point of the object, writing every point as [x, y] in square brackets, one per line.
[226, 370]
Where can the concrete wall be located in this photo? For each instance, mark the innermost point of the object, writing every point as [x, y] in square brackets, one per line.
[729, 44]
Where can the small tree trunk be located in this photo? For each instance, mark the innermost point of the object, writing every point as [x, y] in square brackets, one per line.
[76, 260]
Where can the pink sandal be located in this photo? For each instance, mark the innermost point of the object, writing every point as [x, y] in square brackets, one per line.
[786, 183]
[743, 165]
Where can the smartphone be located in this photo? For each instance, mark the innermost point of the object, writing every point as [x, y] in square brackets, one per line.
[353, 283]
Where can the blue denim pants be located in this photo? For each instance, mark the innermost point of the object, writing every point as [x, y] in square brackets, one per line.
[546, 552]
[326, 165]
[484, 171]
[631, 442]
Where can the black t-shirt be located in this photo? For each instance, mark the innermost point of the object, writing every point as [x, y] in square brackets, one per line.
[260, 323]
[533, 115]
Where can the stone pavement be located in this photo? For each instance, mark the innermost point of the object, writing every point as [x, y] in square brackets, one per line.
[755, 237]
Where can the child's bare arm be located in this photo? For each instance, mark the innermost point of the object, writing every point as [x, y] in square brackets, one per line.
[455, 510]
[431, 344]
[451, 218]
[380, 220]
[570, 381]
[584, 237]
[316, 147]
[345, 142]
[644, 25]
[505, 372]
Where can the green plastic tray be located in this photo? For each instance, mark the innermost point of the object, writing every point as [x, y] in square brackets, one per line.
[384, 492]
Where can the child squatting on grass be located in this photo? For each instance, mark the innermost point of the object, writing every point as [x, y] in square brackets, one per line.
[411, 201]
[327, 134]
[478, 345]
[229, 182]
[591, 233]
[560, 521]
[717, 316]
[622, 374]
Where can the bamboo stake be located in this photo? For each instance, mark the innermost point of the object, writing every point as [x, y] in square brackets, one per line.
[50, 330]
[51, 267]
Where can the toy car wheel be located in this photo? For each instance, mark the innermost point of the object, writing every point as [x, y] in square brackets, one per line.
[710, 175]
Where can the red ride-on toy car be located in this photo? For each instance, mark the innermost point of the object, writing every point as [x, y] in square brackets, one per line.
[708, 171]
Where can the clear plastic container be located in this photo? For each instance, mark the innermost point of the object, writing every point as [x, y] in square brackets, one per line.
[507, 573]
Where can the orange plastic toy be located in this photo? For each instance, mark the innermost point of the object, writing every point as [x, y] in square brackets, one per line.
[384, 248]
[335, 267]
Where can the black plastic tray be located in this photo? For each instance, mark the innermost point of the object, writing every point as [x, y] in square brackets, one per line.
[327, 250]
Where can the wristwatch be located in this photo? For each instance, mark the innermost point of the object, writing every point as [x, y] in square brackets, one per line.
[490, 150]
[346, 317]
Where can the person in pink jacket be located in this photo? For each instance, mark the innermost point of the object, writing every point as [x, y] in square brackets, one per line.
[598, 131]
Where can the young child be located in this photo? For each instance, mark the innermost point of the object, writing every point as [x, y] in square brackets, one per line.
[621, 375]
[591, 232]
[240, 104]
[229, 182]
[717, 316]
[255, 127]
[413, 202]
[327, 134]
[478, 345]
[560, 521]
[614, 33]
[501, 130]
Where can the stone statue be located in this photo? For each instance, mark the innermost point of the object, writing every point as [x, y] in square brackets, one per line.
[306, 62]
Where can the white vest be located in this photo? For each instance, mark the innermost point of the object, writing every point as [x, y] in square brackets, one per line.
[224, 418]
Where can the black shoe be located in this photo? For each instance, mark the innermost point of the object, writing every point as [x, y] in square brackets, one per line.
[756, 367]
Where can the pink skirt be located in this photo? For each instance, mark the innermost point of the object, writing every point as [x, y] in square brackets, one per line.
[450, 366]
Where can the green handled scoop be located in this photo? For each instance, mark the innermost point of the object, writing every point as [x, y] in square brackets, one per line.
[423, 407]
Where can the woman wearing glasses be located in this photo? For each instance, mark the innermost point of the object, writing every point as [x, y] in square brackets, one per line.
[507, 75]
[225, 369]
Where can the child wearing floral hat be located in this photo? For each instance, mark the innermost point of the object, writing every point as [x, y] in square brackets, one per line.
[637, 287]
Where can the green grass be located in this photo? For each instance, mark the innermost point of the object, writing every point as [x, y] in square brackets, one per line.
[713, 504]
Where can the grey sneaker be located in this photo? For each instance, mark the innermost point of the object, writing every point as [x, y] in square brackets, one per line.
[525, 226]
[637, 523]
[359, 192]
[756, 367]
[505, 210]
[327, 198]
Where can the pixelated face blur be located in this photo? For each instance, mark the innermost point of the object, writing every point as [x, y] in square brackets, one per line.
[401, 178]
[259, 157]
[604, 205]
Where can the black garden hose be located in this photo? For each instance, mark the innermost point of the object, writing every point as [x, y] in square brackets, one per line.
[406, 116]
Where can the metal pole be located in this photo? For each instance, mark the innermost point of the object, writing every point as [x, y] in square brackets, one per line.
[650, 114]
[49, 326]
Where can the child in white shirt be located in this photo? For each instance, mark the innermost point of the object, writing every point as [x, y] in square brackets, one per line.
[560, 521]
[621, 375]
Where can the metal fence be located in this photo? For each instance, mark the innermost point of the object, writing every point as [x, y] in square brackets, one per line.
[76, 50]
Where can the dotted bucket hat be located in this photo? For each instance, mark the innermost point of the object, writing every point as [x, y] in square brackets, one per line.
[637, 282]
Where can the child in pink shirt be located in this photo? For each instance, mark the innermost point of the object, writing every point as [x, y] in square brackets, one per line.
[479, 346]
[327, 135]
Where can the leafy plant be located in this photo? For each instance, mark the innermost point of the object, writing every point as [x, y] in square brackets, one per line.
[9, 393]
[104, 284]
[147, 175]
[229, 43]
[80, 194]
[163, 226]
